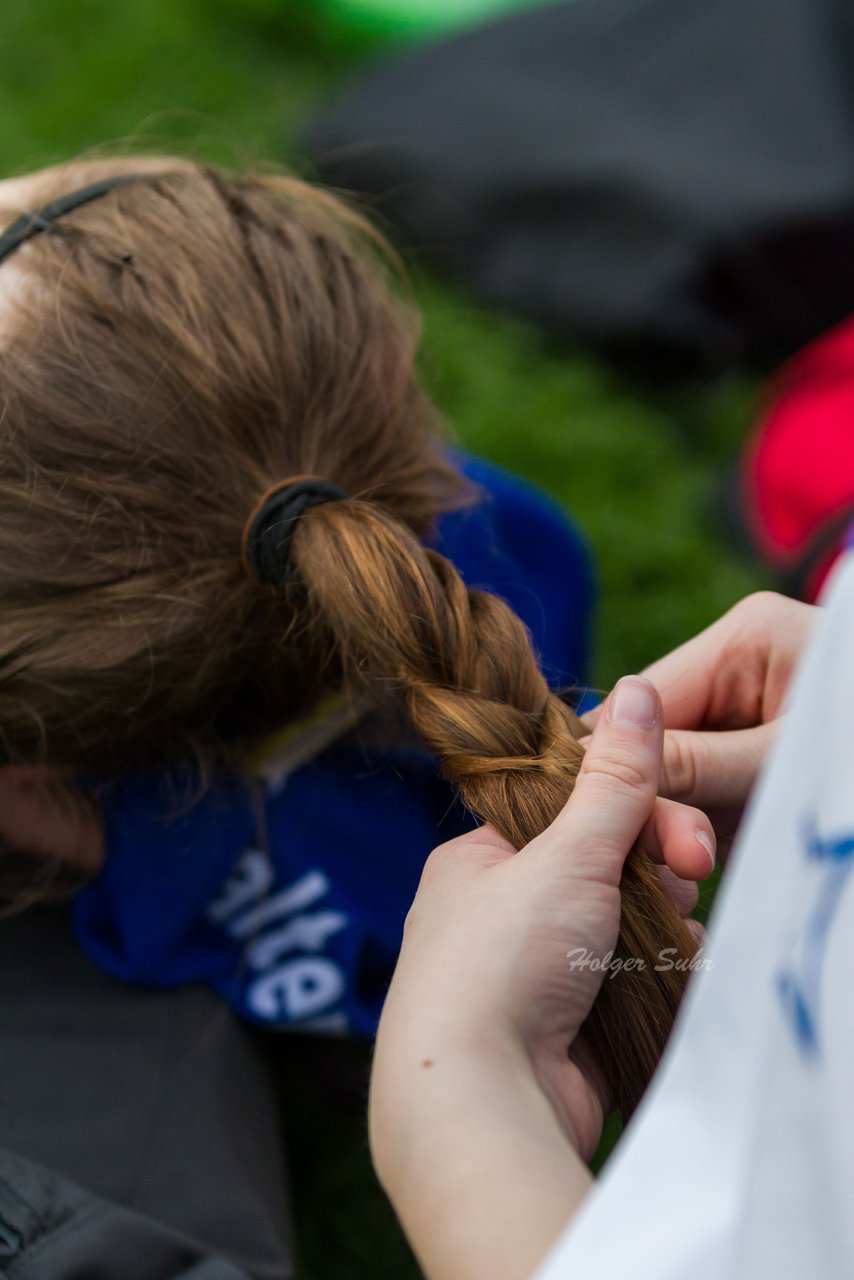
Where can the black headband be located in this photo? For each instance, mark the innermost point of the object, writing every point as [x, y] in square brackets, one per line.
[272, 524]
[30, 224]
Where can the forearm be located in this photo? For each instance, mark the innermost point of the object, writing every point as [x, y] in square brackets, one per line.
[475, 1160]
[478, 1114]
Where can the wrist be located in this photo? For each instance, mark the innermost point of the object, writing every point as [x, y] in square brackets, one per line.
[472, 1155]
[424, 1073]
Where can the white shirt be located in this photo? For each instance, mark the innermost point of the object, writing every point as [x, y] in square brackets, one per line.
[740, 1161]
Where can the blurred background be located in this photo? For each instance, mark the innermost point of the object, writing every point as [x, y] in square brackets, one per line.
[641, 461]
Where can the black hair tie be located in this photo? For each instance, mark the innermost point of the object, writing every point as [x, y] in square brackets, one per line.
[30, 224]
[272, 523]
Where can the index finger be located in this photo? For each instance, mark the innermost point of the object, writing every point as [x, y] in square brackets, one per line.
[616, 786]
[683, 679]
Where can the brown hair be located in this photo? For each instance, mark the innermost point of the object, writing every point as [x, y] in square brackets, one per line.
[181, 344]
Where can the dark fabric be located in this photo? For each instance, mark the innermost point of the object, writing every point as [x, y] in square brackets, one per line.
[156, 1105]
[665, 178]
[51, 1229]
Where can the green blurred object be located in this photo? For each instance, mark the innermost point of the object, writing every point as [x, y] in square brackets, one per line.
[411, 19]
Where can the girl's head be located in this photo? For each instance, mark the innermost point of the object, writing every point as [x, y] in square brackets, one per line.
[167, 353]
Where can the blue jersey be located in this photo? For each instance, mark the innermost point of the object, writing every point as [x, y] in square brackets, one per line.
[289, 899]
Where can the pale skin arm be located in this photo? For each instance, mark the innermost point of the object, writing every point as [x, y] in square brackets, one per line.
[485, 1178]
[480, 1124]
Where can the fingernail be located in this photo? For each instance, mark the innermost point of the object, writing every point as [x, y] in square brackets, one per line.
[634, 702]
[708, 844]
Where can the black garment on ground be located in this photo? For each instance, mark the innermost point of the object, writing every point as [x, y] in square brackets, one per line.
[672, 178]
[139, 1131]
[51, 1229]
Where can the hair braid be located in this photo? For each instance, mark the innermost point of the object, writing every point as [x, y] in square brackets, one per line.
[464, 664]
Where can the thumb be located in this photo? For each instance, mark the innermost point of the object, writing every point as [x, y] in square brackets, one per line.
[616, 786]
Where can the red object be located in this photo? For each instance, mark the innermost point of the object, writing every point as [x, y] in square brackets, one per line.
[797, 476]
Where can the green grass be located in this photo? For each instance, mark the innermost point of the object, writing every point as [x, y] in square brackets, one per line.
[231, 80]
[640, 471]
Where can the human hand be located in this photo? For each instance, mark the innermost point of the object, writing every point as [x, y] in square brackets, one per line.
[723, 693]
[483, 969]
[44, 814]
